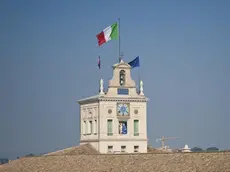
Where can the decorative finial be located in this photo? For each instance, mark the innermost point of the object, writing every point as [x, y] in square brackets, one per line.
[141, 88]
[101, 86]
[121, 57]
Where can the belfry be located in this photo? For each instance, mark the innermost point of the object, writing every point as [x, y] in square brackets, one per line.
[115, 120]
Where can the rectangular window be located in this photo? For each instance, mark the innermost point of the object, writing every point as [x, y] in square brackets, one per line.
[95, 126]
[122, 91]
[90, 127]
[85, 128]
[123, 148]
[122, 127]
[82, 127]
[136, 148]
[109, 127]
[136, 127]
[110, 149]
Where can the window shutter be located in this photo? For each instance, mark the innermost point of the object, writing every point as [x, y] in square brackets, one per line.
[110, 129]
[136, 127]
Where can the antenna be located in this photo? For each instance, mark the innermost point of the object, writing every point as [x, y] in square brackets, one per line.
[163, 139]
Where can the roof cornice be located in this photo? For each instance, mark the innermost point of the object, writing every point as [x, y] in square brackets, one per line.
[125, 99]
[114, 99]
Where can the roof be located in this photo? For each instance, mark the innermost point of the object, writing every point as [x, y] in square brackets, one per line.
[89, 98]
[85, 149]
[71, 161]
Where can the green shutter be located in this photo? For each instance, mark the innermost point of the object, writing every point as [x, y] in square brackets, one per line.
[136, 127]
[110, 127]
[85, 123]
[91, 127]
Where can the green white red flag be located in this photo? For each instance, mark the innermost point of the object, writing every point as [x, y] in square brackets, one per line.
[109, 33]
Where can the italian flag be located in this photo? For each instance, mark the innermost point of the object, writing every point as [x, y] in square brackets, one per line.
[108, 34]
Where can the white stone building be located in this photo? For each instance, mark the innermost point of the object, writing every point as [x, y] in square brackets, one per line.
[115, 121]
[186, 149]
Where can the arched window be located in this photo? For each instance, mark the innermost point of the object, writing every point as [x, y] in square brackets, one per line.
[122, 78]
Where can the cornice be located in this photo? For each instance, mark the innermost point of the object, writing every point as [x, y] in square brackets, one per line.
[114, 139]
[123, 99]
[113, 99]
[118, 86]
[122, 65]
[88, 101]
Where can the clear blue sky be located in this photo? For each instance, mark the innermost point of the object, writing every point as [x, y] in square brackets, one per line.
[48, 60]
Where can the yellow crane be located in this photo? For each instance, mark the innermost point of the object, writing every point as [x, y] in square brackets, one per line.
[163, 139]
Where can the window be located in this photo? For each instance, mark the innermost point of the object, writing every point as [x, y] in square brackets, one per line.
[123, 148]
[82, 127]
[122, 127]
[122, 78]
[136, 128]
[110, 149]
[85, 128]
[90, 127]
[136, 148]
[95, 126]
[123, 91]
[109, 127]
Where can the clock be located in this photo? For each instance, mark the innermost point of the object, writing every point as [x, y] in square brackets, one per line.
[123, 109]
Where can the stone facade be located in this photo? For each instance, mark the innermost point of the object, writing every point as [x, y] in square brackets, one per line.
[115, 121]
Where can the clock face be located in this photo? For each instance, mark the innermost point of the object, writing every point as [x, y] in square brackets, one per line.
[123, 109]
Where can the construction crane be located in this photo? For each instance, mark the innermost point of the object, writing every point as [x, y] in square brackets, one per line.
[163, 139]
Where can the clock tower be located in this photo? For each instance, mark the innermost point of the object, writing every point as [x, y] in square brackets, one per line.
[114, 121]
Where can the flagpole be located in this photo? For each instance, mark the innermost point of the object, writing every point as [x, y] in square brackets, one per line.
[139, 75]
[139, 79]
[99, 67]
[119, 40]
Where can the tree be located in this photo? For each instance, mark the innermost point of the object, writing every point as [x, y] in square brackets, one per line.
[30, 155]
[212, 149]
[197, 149]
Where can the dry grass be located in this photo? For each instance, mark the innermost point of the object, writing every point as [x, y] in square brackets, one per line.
[69, 160]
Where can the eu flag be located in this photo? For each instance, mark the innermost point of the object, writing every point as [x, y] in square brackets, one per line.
[135, 63]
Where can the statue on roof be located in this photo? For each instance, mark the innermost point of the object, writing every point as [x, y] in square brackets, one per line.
[141, 88]
[101, 86]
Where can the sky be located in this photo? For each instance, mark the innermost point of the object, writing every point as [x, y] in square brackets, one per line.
[48, 61]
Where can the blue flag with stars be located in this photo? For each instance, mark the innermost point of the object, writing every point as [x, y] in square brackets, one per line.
[135, 63]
